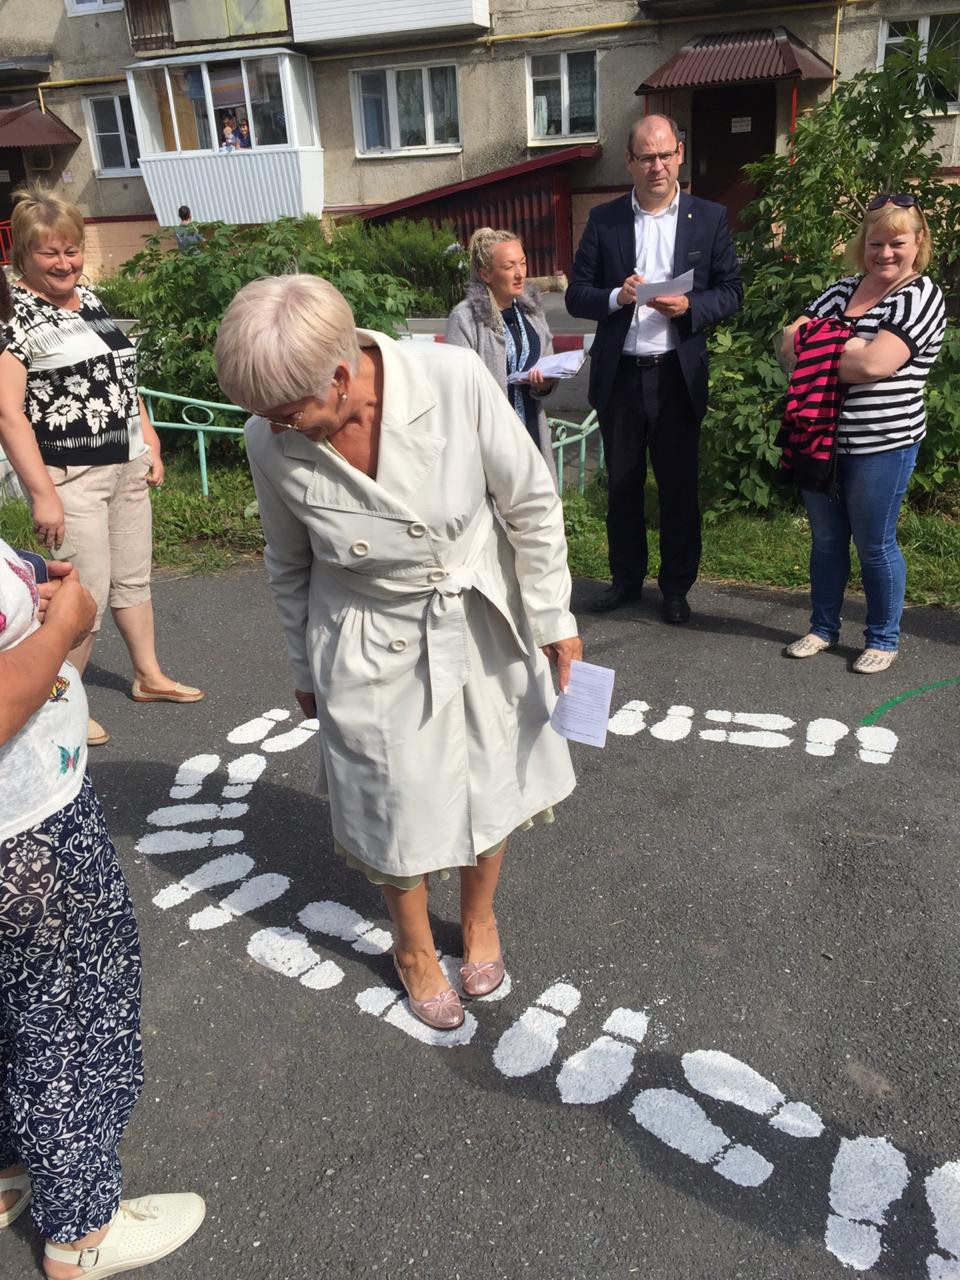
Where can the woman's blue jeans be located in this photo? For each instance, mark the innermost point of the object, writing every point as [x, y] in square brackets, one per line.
[871, 489]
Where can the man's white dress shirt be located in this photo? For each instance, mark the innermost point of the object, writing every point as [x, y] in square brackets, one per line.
[655, 238]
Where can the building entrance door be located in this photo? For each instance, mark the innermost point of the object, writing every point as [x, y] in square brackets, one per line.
[731, 127]
[12, 174]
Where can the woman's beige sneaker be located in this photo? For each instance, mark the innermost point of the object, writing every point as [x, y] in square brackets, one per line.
[872, 661]
[143, 1231]
[807, 646]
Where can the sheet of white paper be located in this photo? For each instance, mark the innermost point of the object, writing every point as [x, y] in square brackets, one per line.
[583, 712]
[565, 364]
[664, 288]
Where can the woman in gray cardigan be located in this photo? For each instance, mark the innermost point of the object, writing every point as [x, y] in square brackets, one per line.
[502, 320]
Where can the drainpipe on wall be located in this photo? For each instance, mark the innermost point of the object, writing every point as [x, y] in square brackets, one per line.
[836, 44]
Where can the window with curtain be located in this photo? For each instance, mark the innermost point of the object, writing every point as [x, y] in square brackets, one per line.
[938, 33]
[113, 135]
[406, 108]
[563, 95]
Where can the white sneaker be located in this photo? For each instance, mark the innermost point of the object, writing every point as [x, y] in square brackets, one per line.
[807, 646]
[143, 1231]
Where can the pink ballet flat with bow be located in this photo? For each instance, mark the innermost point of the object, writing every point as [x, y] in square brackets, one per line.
[443, 1012]
[481, 978]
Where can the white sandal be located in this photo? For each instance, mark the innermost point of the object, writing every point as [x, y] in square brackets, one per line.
[807, 646]
[15, 1182]
[143, 1231]
[872, 661]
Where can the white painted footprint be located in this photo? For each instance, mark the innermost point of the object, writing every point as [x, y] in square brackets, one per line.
[877, 744]
[337, 921]
[629, 719]
[231, 866]
[681, 1123]
[727, 1079]
[160, 842]
[286, 951]
[675, 726]
[766, 729]
[943, 1196]
[257, 728]
[251, 895]
[391, 1007]
[868, 1175]
[823, 736]
[172, 815]
[293, 738]
[191, 775]
[603, 1068]
[531, 1042]
[242, 773]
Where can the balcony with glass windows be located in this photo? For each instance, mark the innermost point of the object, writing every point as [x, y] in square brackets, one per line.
[325, 21]
[232, 136]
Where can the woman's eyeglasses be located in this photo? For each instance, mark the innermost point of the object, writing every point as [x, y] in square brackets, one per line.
[901, 201]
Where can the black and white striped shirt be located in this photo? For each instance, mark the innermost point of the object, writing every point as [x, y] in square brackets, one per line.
[879, 416]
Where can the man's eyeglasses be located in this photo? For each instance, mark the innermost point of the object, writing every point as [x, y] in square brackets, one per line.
[650, 159]
[901, 201]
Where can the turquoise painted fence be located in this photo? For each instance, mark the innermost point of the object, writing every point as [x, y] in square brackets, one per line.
[199, 417]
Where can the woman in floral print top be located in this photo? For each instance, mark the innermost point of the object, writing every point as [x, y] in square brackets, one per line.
[78, 435]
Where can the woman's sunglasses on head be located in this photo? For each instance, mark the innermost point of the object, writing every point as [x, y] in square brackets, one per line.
[901, 201]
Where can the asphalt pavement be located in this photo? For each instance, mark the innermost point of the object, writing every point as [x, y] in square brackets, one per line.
[730, 1043]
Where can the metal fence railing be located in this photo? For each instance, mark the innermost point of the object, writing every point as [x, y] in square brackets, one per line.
[200, 417]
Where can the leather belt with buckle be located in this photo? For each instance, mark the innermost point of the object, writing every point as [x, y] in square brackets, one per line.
[646, 362]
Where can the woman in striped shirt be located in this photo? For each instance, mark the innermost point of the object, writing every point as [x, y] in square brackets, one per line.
[900, 318]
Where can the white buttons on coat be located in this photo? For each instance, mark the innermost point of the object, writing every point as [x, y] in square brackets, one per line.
[436, 575]
[361, 548]
[416, 530]
[397, 646]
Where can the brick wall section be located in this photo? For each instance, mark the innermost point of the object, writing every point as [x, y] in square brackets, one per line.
[108, 245]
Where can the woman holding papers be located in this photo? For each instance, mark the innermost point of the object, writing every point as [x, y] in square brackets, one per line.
[415, 550]
[502, 320]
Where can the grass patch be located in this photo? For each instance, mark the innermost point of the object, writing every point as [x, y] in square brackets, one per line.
[194, 534]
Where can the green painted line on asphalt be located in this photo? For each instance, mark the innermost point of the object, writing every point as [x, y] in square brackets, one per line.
[873, 716]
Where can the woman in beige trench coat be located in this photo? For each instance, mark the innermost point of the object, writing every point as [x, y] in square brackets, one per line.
[416, 554]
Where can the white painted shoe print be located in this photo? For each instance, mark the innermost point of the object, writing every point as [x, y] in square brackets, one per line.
[223, 870]
[877, 744]
[629, 719]
[242, 773]
[943, 1196]
[257, 728]
[868, 1175]
[675, 726]
[391, 1006]
[823, 736]
[766, 730]
[681, 1123]
[530, 1043]
[337, 921]
[286, 951]
[727, 1079]
[293, 738]
[251, 895]
[191, 775]
[602, 1069]
[174, 814]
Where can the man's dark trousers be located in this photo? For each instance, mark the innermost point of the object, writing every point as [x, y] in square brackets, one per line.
[650, 412]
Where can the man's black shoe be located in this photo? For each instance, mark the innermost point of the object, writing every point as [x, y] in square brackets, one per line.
[613, 598]
[675, 609]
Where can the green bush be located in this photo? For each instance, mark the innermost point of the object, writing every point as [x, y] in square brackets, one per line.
[428, 258]
[179, 299]
[873, 135]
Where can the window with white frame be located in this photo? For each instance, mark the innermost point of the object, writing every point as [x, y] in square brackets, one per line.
[406, 108]
[562, 95]
[113, 135]
[76, 7]
[938, 32]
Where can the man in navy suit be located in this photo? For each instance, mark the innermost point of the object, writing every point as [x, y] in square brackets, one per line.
[648, 363]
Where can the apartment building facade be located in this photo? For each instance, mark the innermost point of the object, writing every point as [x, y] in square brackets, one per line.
[478, 110]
